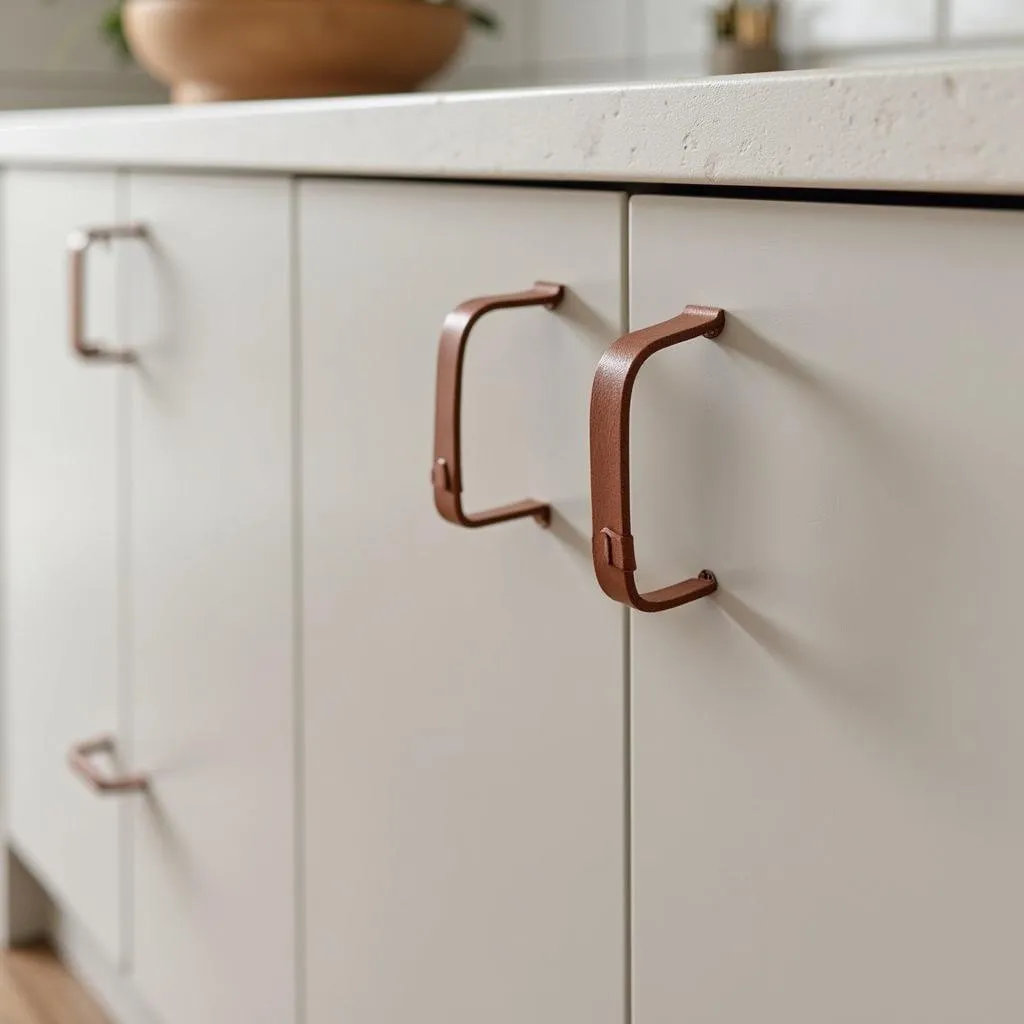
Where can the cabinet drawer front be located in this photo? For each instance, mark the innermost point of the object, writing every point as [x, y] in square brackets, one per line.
[828, 753]
[212, 599]
[464, 688]
[62, 420]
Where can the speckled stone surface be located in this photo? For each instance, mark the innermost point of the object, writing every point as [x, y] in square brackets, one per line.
[955, 127]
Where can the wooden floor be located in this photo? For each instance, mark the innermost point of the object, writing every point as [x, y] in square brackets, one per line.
[35, 989]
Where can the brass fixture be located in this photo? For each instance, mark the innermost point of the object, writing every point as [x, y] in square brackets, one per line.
[746, 34]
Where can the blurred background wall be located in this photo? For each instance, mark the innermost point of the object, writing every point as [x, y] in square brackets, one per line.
[52, 53]
[567, 41]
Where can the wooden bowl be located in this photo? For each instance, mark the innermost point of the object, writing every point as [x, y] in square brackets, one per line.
[208, 50]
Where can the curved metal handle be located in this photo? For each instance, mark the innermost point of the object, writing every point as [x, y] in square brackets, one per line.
[79, 244]
[613, 545]
[80, 760]
[447, 472]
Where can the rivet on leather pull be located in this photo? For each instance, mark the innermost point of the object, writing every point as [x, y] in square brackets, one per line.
[440, 477]
[619, 551]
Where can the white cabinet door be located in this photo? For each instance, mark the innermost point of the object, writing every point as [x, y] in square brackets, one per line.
[211, 588]
[62, 417]
[828, 781]
[464, 689]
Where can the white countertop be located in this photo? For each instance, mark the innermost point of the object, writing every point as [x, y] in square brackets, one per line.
[956, 127]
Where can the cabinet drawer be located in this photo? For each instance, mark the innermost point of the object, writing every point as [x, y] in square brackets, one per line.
[828, 752]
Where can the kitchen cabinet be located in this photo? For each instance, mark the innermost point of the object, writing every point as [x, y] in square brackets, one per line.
[210, 578]
[62, 547]
[352, 748]
[826, 754]
[463, 688]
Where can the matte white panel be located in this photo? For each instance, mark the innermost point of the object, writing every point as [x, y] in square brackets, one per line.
[828, 755]
[212, 599]
[62, 422]
[464, 689]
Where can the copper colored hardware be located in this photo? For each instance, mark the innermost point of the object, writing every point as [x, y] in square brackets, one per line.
[613, 545]
[81, 761]
[447, 471]
[79, 244]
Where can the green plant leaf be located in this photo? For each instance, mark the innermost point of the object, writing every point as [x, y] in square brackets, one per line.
[479, 17]
[482, 18]
[112, 27]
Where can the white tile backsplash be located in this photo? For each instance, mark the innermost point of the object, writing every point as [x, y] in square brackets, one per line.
[972, 18]
[810, 25]
[676, 27]
[554, 42]
[587, 72]
[582, 30]
[55, 36]
[508, 48]
[52, 54]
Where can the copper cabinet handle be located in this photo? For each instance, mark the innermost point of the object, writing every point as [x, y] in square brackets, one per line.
[613, 544]
[81, 761]
[79, 244]
[447, 472]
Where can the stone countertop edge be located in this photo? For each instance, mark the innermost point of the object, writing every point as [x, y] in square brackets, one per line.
[954, 127]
